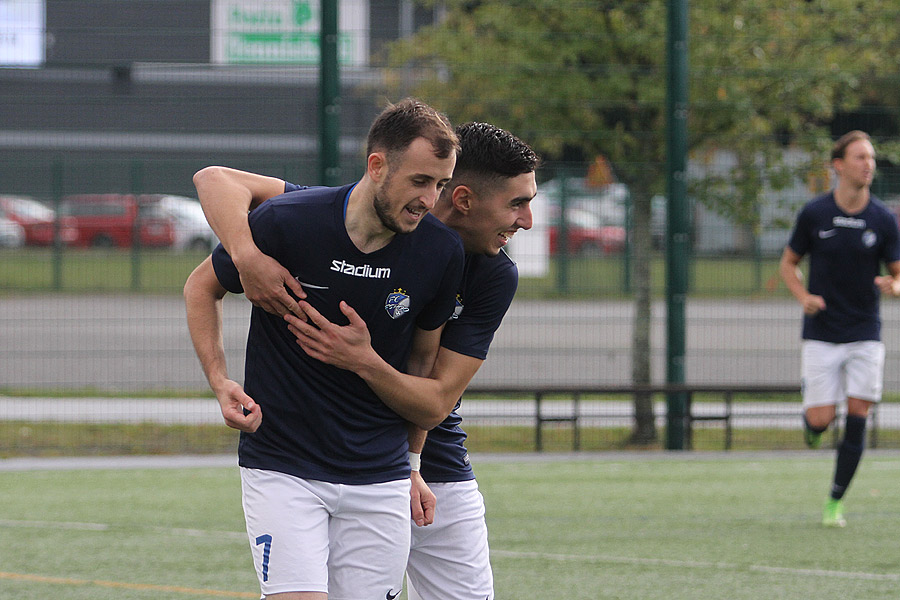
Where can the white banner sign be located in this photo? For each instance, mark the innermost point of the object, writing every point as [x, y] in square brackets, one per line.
[22, 33]
[285, 32]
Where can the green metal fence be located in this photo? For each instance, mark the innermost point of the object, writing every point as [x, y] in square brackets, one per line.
[134, 102]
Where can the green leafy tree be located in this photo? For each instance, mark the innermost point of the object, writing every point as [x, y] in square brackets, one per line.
[589, 76]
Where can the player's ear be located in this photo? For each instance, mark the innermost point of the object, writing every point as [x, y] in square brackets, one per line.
[838, 165]
[462, 198]
[376, 166]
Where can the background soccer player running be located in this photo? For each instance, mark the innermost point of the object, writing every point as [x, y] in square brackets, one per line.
[848, 233]
[486, 202]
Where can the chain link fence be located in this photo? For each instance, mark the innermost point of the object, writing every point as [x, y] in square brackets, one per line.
[109, 109]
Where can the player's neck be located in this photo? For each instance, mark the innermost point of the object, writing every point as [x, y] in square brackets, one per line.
[851, 199]
[443, 212]
[365, 229]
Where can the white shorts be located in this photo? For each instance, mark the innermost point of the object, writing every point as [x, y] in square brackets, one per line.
[450, 558]
[833, 372]
[351, 541]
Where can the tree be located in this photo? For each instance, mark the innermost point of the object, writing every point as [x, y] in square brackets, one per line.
[591, 75]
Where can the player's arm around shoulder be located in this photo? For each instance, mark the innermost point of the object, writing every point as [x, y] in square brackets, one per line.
[451, 374]
[436, 379]
[424, 399]
[227, 195]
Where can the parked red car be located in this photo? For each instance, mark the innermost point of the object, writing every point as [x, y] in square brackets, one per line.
[586, 234]
[111, 220]
[37, 220]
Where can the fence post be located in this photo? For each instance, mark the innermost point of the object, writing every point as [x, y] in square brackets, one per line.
[728, 432]
[677, 237]
[329, 95]
[687, 420]
[576, 433]
[57, 183]
[562, 233]
[137, 183]
[538, 422]
[629, 241]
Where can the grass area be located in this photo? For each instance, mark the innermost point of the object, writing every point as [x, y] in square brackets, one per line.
[95, 392]
[677, 529]
[662, 527]
[586, 278]
[562, 438]
[77, 439]
[91, 271]
[27, 270]
[90, 439]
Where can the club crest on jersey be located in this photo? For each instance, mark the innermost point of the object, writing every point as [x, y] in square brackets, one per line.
[868, 238]
[397, 303]
[457, 310]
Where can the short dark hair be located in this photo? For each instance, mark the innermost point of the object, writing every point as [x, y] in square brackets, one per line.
[490, 152]
[401, 123]
[839, 149]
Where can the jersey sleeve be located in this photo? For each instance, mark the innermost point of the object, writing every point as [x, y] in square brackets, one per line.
[472, 332]
[263, 226]
[891, 251]
[226, 272]
[441, 307]
[800, 236]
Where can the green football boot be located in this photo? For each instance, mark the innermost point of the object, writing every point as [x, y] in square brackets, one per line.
[812, 438]
[833, 513]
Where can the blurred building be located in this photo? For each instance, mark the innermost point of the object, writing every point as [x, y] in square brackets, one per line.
[113, 95]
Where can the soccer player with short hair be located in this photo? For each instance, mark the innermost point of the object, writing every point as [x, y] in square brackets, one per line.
[486, 202]
[847, 233]
[324, 463]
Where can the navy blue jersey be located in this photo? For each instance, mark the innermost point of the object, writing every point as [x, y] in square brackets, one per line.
[320, 422]
[489, 284]
[293, 187]
[845, 255]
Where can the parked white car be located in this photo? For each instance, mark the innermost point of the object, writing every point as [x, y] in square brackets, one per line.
[192, 232]
[12, 235]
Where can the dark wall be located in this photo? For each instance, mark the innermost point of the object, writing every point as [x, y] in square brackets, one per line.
[122, 31]
[104, 99]
[128, 101]
[117, 31]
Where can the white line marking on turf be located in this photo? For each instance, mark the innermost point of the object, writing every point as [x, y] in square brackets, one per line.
[55, 525]
[668, 562]
[234, 535]
[826, 573]
[122, 585]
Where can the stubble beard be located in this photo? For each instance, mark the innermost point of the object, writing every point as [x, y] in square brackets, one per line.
[383, 208]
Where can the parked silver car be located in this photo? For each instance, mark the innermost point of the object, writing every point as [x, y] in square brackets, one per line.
[12, 235]
[192, 232]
